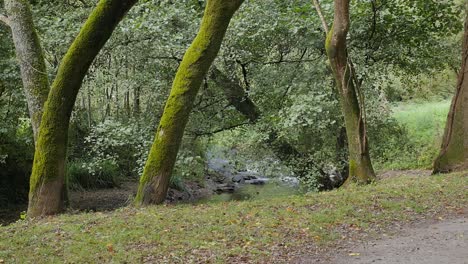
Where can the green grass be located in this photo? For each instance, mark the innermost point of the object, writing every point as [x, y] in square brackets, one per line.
[233, 232]
[425, 124]
[425, 121]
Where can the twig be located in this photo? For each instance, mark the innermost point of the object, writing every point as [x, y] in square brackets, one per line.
[322, 18]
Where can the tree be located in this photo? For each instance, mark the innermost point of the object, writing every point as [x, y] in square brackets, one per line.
[350, 95]
[47, 184]
[30, 58]
[195, 64]
[453, 155]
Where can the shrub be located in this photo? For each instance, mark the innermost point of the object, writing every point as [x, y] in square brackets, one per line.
[105, 175]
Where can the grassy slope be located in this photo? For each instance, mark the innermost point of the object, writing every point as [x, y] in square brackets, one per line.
[232, 231]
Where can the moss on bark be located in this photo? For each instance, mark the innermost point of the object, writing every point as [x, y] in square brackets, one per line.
[30, 58]
[47, 184]
[154, 182]
[360, 166]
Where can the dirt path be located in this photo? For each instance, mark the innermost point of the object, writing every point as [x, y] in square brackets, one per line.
[437, 243]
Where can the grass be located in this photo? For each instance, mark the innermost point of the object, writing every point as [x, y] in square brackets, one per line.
[249, 231]
[425, 124]
[425, 121]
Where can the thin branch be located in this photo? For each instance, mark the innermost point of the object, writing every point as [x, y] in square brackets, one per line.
[5, 20]
[322, 17]
[210, 133]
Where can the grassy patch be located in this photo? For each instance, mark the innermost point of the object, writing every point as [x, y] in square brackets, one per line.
[425, 124]
[425, 121]
[249, 231]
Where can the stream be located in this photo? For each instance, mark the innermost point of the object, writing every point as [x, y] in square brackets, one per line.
[253, 192]
[235, 185]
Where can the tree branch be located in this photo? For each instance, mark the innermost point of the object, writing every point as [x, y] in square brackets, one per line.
[219, 130]
[5, 20]
[322, 17]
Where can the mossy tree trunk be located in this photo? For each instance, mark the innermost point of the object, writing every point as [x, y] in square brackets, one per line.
[453, 155]
[30, 59]
[351, 99]
[197, 60]
[47, 184]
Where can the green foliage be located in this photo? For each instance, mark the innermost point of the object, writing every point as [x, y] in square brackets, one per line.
[403, 51]
[16, 155]
[125, 144]
[106, 174]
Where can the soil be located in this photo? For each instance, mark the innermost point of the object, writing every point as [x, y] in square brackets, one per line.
[433, 240]
[114, 198]
[443, 242]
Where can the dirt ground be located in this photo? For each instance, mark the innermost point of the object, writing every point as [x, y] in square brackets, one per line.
[443, 242]
[440, 241]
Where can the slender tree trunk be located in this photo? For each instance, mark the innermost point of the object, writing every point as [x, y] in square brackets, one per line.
[154, 182]
[136, 102]
[351, 99]
[88, 109]
[127, 104]
[47, 186]
[454, 150]
[30, 59]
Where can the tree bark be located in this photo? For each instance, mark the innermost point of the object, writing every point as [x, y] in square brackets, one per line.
[236, 94]
[197, 60]
[47, 185]
[30, 58]
[453, 155]
[351, 99]
[136, 103]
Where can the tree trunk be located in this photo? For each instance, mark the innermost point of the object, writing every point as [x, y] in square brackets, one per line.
[235, 94]
[154, 182]
[136, 103]
[351, 99]
[30, 59]
[47, 186]
[454, 150]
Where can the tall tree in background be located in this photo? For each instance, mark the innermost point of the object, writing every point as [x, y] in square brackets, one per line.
[197, 60]
[350, 95]
[453, 155]
[30, 58]
[47, 184]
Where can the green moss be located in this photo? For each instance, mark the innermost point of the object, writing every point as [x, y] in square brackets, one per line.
[48, 175]
[328, 40]
[193, 68]
[30, 58]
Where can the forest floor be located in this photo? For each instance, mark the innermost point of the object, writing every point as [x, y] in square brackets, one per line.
[395, 216]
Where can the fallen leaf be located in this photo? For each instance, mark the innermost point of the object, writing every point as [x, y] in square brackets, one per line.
[354, 254]
[110, 248]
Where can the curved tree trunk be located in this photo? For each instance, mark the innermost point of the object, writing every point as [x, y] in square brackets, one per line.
[454, 150]
[360, 166]
[30, 59]
[154, 182]
[47, 185]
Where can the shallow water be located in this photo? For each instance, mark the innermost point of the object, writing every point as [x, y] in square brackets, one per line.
[254, 192]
